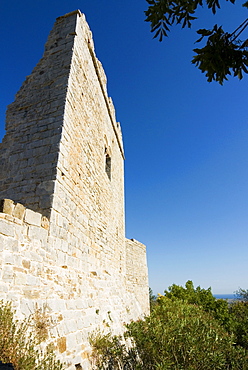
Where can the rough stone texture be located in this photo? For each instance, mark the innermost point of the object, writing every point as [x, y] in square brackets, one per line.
[136, 272]
[62, 232]
[7, 206]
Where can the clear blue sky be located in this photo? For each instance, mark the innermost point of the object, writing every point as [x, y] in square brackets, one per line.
[185, 139]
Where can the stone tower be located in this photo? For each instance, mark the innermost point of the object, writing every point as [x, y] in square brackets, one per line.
[61, 162]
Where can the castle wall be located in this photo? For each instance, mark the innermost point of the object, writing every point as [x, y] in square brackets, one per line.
[78, 301]
[137, 273]
[87, 203]
[62, 232]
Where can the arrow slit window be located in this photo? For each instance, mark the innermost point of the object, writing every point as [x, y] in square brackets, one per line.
[108, 164]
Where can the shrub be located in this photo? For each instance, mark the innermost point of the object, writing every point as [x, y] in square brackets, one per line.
[111, 352]
[239, 311]
[20, 346]
[218, 308]
[177, 336]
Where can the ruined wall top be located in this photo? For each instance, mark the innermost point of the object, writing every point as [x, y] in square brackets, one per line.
[35, 121]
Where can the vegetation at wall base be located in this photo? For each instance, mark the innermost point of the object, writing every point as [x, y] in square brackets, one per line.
[188, 329]
[19, 345]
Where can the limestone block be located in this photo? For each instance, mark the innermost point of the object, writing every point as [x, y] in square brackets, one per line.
[7, 243]
[19, 211]
[8, 258]
[32, 218]
[56, 305]
[35, 257]
[3, 288]
[61, 343]
[7, 274]
[13, 296]
[80, 323]
[70, 304]
[32, 280]
[6, 228]
[27, 307]
[62, 329]
[31, 293]
[7, 206]
[26, 264]
[72, 324]
[71, 340]
[20, 278]
[80, 303]
[39, 233]
[21, 231]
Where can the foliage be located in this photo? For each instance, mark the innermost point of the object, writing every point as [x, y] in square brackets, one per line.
[242, 294]
[111, 352]
[19, 345]
[239, 312]
[152, 299]
[41, 322]
[223, 53]
[218, 308]
[234, 317]
[177, 335]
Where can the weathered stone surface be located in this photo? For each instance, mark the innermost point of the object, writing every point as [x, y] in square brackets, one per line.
[19, 211]
[62, 344]
[6, 228]
[33, 218]
[7, 206]
[62, 240]
[45, 223]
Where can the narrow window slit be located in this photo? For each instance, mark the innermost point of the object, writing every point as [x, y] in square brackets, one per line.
[108, 165]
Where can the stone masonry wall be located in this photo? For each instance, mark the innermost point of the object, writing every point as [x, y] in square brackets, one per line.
[136, 272]
[33, 276]
[62, 231]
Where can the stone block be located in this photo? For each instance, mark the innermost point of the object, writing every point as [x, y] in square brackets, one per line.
[26, 264]
[19, 211]
[7, 243]
[8, 258]
[72, 340]
[7, 206]
[6, 228]
[20, 278]
[61, 343]
[7, 274]
[32, 218]
[39, 233]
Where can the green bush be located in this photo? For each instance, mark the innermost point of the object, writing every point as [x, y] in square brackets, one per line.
[19, 345]
[111, 352]
[177, 336]
[218, 308]
[239, 312]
